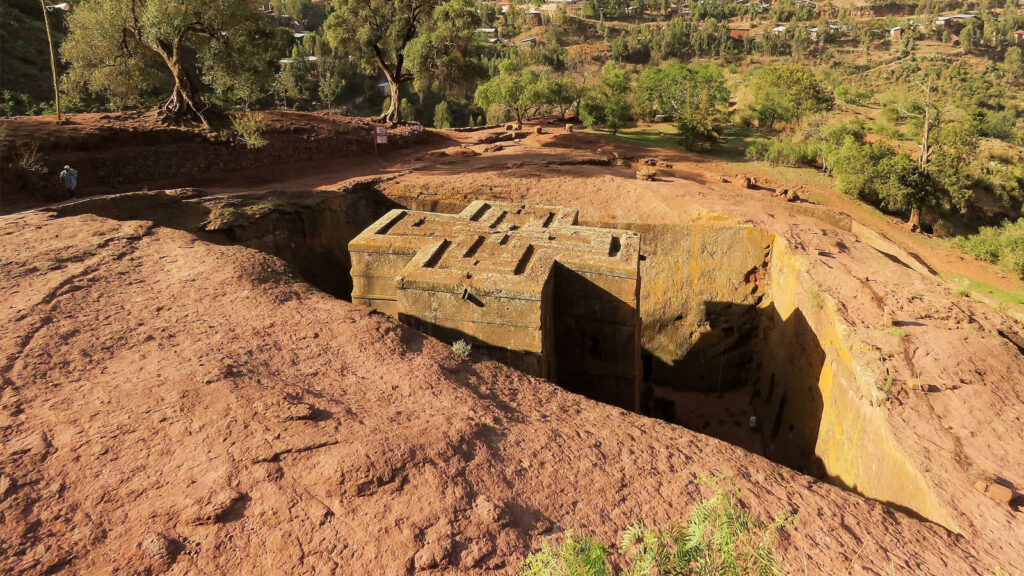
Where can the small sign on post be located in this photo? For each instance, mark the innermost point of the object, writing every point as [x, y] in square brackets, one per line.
[380, 136]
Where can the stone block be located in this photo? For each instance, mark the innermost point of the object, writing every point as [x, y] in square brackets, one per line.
[999, 493]
[525, 284]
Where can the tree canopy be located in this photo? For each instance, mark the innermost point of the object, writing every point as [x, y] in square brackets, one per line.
[695, 97]
[514, 91]
[607, 103]
[124, 49]
[786, 94]
[400, 37]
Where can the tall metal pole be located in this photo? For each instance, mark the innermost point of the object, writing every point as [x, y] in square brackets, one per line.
[53, 62]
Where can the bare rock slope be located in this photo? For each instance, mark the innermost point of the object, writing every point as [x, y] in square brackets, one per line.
[174, 406]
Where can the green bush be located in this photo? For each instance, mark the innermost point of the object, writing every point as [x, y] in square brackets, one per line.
[1002, 245]
[18, 104]
[943, 229]
[851, 95]
[250, 127]
[783, 150]
[442, 115]
[720, 538]
[462, 348]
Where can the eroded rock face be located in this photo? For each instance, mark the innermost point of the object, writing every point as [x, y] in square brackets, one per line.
[185, 407]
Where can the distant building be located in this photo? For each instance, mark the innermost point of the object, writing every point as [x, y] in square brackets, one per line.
[896, 33]
[956, 21]
[1018, 36]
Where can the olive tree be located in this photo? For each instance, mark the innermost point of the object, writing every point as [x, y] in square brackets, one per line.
[383, 35]
[124, 48]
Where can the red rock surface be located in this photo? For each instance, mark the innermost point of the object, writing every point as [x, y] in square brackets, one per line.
[174, 406]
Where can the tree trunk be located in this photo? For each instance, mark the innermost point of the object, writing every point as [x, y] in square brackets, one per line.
[394, 78]
[184, 103]
[394, 114]
[924, 141]
[915, 218]
[915, 211]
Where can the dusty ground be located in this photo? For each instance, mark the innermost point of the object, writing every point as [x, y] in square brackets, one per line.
[175, 406]
[131, 151]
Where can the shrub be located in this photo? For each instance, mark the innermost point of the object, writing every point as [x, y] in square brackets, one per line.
[719, 538]
[462, 348]
[851, 95]
[442, 115]
[30, 159]
[574, 556]
[250, 127]
[407, 110]
[783, 150]
[18, 104]
[943, 229]
[1002, 245]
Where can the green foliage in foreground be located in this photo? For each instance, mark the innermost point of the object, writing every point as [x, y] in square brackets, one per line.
[720, 539]
[1002, 245]
[462, 348]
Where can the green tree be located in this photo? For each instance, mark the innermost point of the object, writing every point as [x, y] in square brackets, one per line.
[696, 98]
[607, 104]
[561, 94]
[442, 115]
[329, 87]
[379, 33]
[902, 186]
[951, 165]
[122, 48]
[445, 56]
[1013, 66]
[854, 163]
[515, 90]
[785, 94]
[308, 13]
[969, 36]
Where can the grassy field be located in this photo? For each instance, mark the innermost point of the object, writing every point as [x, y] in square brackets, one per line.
[965, 284]
[646, 135]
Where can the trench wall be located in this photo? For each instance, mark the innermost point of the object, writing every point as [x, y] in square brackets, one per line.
[827, 424]
[699, 290]
[725, 305]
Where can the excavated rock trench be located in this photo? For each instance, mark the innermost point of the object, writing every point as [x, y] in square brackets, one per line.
[737, 343]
